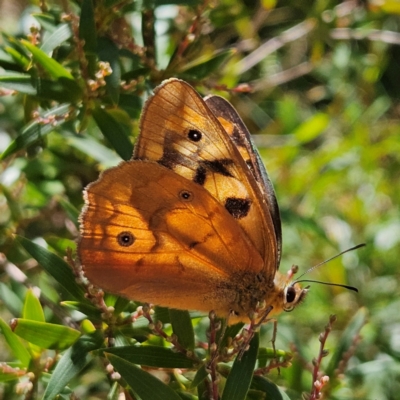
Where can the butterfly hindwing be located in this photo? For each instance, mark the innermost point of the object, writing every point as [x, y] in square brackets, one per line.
[149, 234]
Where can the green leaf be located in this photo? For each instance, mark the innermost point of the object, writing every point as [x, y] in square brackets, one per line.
[131, 104]
[230, 332]
[201, 374]
[45, 335]
[272, 391]
[113, 394]
[63, 90]
[35, 130]
[120, 304]
[186, 396]
[10, 299]
[182, 327]
[60, 245]
[72, 362]
[114, 132]
[55, 266]
[16, 346]
[32, 308]
[88, 33]
[239, 379]
[19, 82]
[17, 52]
[145, 385]
[265, 354]
[152, 356]
[102, 154]
[84, 308]
[162, 314]
[46, 20]
[57, 38]
[109, 52]
[87, 26]
[53, 68]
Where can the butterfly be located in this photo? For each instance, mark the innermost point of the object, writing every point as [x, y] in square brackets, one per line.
[191, 221]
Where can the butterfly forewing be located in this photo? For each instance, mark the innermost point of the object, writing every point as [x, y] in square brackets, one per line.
[180, 132]
[240, 136]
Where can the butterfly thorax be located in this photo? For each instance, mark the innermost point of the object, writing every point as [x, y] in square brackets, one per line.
[254, 294]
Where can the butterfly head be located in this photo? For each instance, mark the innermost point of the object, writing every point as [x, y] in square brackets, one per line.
[288, 293]
[293, 294]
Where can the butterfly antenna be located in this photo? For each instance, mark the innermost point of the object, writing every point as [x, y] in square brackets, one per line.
[325, 262]
[330, 284]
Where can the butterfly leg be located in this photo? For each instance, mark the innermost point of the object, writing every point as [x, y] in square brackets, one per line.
[273, 339]
[254, 325]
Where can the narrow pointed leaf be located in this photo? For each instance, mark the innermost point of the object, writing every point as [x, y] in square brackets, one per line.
[152, 356]
[53, 68]
[21, 83]
[35, 131]
[109, 52]
[72, 362]
[267, 353]
[272, 391]
[182, 327]
[113, 394]
[87, 26]
[57, 38]
[10, 299]
[55, 266]
[88, 33]
[84, 308]
[145, 385]
[239, 379]
[16, 346]
[45, 335]
[62, 90]
[201, 374]
[32, 308]
[114, 132]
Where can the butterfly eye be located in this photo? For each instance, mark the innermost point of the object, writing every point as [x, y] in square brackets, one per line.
[194, 135]
[125, 239]
[185, 195]
[290, 294]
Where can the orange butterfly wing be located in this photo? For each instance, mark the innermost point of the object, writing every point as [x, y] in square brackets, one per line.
[179, 131]
[240, 136]
[151, 235]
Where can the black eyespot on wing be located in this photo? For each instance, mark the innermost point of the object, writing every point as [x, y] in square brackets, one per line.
[185, 195]
[238, 208]
[200, 176]
[290, 294]
[126, 239]
[194, 135]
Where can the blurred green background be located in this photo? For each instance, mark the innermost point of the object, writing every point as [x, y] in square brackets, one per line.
[316, 82]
